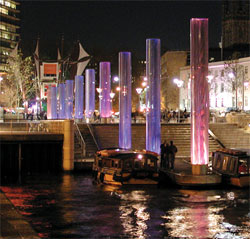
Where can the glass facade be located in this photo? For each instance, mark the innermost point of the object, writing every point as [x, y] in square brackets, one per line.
[9, 26]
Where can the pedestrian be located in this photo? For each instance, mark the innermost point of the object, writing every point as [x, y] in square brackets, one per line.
[163, 153]
[172, 151]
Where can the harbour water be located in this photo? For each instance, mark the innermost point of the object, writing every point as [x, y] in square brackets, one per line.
[71, 206]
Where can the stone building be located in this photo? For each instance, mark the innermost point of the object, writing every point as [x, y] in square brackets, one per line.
[229, 85]
[171, 62]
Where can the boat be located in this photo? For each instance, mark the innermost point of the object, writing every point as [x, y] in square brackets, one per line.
[233, 165]
[120, 167]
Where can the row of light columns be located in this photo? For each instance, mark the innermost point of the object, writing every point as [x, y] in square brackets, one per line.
[199, 93]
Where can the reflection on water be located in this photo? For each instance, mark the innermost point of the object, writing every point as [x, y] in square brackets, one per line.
[70, 206]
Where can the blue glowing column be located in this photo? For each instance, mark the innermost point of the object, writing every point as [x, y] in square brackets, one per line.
[199, 95]
[105, 102]
[61, 89]
[49, 103]
[153, 99]
[89, 93]
[125, 100]
[78, 97]
[69, 99]
[53, 102]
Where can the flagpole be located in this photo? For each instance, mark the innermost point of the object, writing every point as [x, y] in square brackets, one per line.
[62, 66]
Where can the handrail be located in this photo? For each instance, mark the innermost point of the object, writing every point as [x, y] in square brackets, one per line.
[93, 136]
[80, 139]
[216, 138]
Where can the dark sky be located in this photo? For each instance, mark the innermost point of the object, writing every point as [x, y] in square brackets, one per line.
[111, 26]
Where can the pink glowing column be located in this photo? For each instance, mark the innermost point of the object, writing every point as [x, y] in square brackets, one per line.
[89, 93]
[78, 97]
[199, 91]
[105, 102]
[153, 98]
[49, 103]
[125, 100]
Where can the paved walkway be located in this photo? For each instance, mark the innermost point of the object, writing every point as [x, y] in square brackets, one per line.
[12, 224]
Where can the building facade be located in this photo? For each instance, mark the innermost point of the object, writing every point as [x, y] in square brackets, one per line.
[229, 85]
[9, 26]
[171, 61]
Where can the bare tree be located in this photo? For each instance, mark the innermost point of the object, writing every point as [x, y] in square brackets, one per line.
[21, 85]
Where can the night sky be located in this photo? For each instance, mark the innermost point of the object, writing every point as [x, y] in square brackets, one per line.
[106, 27]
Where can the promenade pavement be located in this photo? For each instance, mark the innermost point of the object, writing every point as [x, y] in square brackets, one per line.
[12, 224]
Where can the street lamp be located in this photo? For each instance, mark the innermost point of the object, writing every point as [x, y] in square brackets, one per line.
[116, 79]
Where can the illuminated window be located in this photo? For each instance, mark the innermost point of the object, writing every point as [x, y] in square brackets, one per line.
[1, 2]
[4, 11]
[7, 4]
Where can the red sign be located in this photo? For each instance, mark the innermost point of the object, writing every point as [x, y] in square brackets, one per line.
[50, 69]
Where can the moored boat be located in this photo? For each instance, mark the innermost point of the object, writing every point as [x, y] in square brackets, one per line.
[119, 167]
[233, 165]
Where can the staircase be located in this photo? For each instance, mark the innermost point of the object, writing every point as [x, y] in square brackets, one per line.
[231, 135]
[90, 145]
[108, 137]
[180, 134]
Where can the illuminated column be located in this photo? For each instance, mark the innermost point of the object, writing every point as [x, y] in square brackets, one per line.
[61, 113]
[53, 91]
[105, 102]
[78, 97]
[199, 95]
[89, 93]
[125, 100]
[49, 103]
[153, 103]
[69, 99]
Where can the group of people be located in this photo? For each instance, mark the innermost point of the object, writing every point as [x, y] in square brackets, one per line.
[168, 154]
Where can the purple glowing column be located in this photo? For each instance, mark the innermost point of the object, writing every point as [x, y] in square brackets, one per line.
[49, 103]
[89, 93]
[105, 102]
[53, 92]
[69, 99]
[61, 89]
[78, 97]
[199, 91]
[153, 115]
[125, 100]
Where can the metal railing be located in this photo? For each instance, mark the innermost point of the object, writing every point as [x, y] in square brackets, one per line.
[93, 136]
[80, 139]
[215, 138]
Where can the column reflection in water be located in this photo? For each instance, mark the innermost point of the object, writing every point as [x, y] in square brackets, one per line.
[199, 91]
[53, 92]
[78, 97]
[49, 103]
[61, 113]
[105, 102]
[125, 100]
[89, 93]
[153, 115]
[69, 99]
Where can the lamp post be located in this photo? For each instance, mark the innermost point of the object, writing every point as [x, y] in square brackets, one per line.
[139, 91]
[179, 84]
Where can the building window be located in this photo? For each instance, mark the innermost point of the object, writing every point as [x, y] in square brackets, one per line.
[246, 101]
[222, 73]
[222, 102]
[246, 69]
[4, 11]
[222, 87]
[216, 101]
[233, 101]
